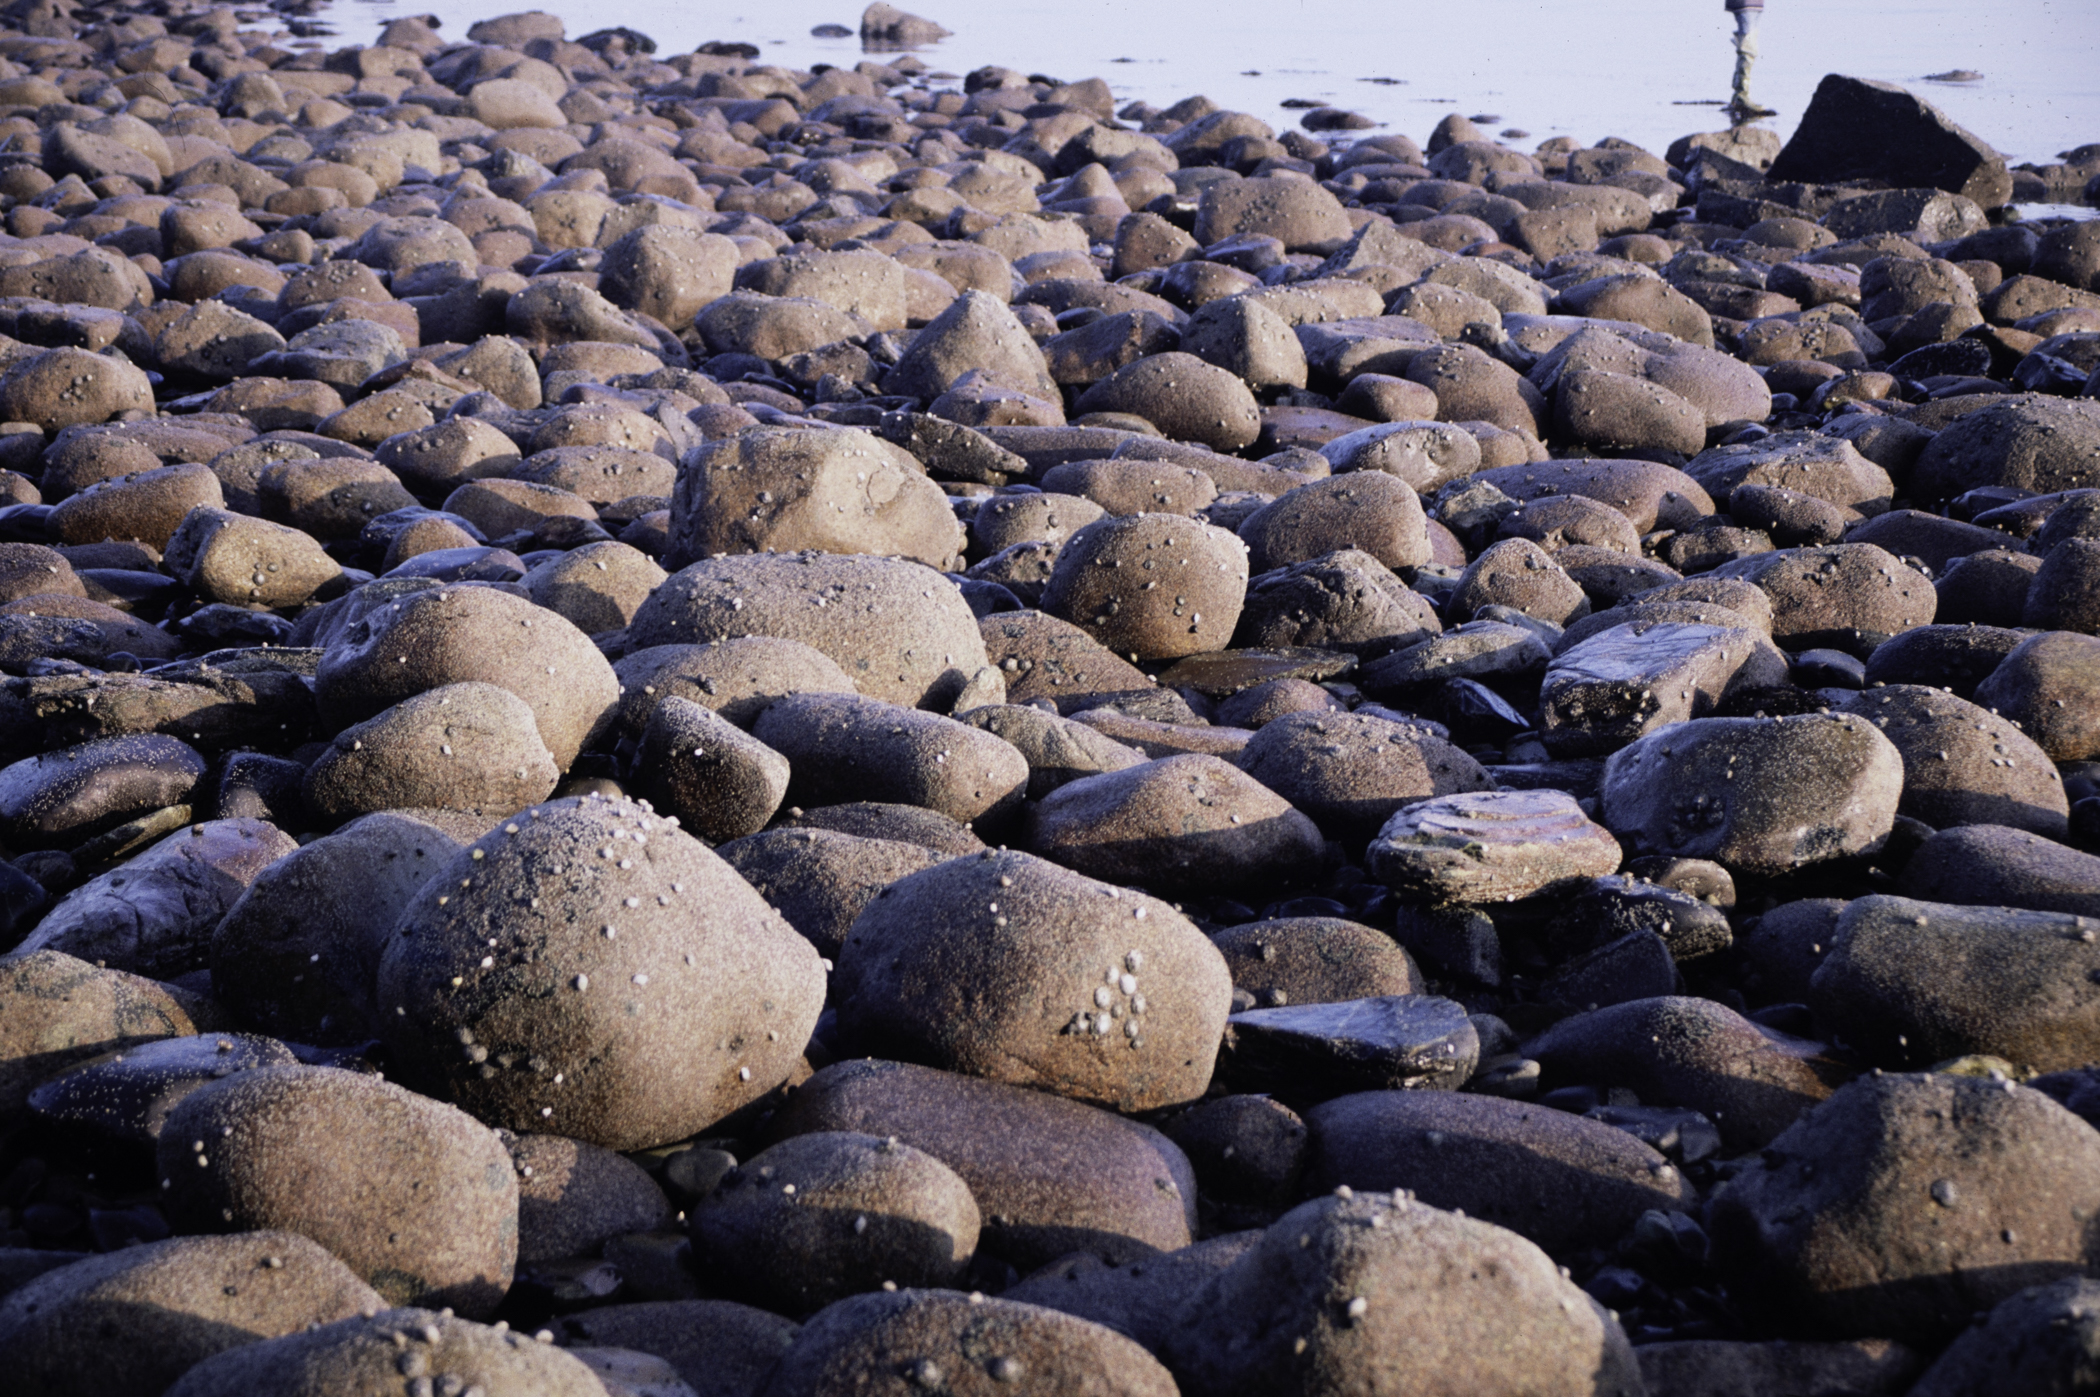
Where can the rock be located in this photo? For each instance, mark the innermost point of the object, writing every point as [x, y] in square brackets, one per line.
[884, 26]
[506, 103]
[154, 914]
[720, 1349]
[597, 587]
[719, 781]
[126, 1096]
[1957, 657]
[2065, 592]
[1186, 398]
[463, 634]
[1150, 585]
[1424, 455]
[1857, 128]
[816, 1218]
[820, 880]
[184, 1300]
[470, 747]
[779, 490]
[1885, 1211]
[843, 747]
[1682, 1051]
[1992, 866]
[573, 1197]
[147, 507]
[1315, 960]
[1826, 468]
[221, 555]
[1520, 575]
[1620, 684]
[62, 387]
[557, 1012]
[1963, 765]
[2035, 1341]
[1183, 823]
[1490, 846]
[1344, 600]
[976, 333]
[66, 797]
[1352, 772]
[1558, 1180]
[2028, 442]
[363, 1353]
[411, 1194]
[1710, 1367]
[1621, 414]
[736, 678]
[898, 630]
[1063, 984]
[297, 953]
[908, 824]
[1910, 983]
[1309, 1052]
[1368, 511]
[1470, 1301]
[61, 1011]
[1757, 795]
[1050, 1176]
[1057, 750]
[937, 1337]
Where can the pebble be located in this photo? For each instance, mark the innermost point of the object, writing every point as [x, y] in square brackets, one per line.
[1586, 651]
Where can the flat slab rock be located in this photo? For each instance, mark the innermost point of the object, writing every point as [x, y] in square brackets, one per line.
[1311, 1051]
[1490, 846]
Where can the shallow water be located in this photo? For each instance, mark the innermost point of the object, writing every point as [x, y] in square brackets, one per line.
[1639, 69]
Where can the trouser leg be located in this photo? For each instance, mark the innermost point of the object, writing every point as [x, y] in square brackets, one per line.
[1745, 56]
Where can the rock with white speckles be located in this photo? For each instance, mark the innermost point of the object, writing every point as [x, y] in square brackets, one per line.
[637, 990]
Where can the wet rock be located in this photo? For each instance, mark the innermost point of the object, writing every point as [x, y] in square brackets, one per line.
[1077, 988]
[1682, 1051]
[182, 1300]
[127, 1095]
[1621, 684]
[1756, 795]
[737, 980]
[1489, 846]
[819, 1217]
[1050, 1176]
[154, 914]
[1481, 1305]
[361, 1353]
[1560, 1181]
[66, 797]
[1909, 983]
[1886, 1212]
[433, 1197]
[297, 953]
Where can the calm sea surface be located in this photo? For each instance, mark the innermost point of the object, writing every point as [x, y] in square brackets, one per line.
[1631, 68]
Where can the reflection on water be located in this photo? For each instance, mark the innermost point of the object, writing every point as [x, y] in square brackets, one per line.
[1645, 70]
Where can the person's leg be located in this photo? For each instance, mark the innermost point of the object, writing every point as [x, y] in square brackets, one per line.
[1745, 58]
